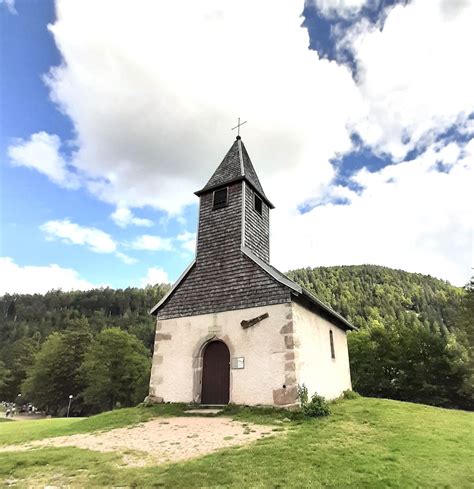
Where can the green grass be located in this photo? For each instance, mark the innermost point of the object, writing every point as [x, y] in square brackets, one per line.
[364, 443]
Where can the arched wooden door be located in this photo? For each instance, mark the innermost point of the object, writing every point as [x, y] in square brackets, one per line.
[215, 374]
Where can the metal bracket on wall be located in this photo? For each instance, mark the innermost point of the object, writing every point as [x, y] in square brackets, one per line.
[251, 322]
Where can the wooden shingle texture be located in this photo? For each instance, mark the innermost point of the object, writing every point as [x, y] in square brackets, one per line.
[257, 227]
[223, 278]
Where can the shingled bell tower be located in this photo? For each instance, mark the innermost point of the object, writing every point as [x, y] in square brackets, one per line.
[234, 211]
[233, 245]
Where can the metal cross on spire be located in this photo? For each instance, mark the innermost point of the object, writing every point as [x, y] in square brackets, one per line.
[238, 126]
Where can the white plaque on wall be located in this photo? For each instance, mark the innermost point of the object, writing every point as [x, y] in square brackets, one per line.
[238, 362]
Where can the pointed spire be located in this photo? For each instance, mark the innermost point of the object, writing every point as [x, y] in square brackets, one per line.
[230, 168]
[235, 166]
[249, 171]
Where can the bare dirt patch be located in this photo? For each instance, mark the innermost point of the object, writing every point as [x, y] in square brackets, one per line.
[161, 440]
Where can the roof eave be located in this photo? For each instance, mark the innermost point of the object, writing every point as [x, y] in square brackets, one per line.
[217, 186]
[346, 324]
[272, 271]
[296, 289]
[230, 182]
[154, 310]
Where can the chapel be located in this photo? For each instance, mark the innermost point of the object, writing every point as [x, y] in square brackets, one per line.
[233, 329]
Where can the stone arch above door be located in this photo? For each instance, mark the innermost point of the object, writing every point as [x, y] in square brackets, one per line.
[198, 362]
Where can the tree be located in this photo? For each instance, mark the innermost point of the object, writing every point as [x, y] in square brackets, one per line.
[116, 370]
[17, 359]
[465, 317]
[25, 316]
[411, 363]
[55, 373]
[465, 334]
[4, 375]
[433, 368]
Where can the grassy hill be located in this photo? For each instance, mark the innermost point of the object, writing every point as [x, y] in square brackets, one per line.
[364, 443]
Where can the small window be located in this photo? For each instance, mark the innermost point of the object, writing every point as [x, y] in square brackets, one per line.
[258, 204]
[220, 198]
[331, 340]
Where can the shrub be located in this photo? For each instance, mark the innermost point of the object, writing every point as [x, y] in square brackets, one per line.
[348, 394]
[303, 394]
[317, 407]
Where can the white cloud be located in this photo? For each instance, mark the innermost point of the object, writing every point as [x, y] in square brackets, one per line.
[468, 128]
[151, 134]
[188, 241]
[42, 153]
[10, 5]
[152, 108]
[415, 75]
[342, 8]
[151, 243]
[404, 89]
[155, 276]
[95, 239]
[68, 232]
[38, 279]
[124, 217]
[128, 260]
[408, 216]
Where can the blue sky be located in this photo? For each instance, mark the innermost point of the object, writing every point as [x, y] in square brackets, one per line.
[28, 198]
[354, 127]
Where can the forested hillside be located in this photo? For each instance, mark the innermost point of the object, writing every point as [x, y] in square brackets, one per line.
[27, 321]
[370, 294]
[36, 316]
[414, 343]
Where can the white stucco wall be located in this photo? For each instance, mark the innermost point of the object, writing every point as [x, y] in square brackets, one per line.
[314, 366]
[267, 348]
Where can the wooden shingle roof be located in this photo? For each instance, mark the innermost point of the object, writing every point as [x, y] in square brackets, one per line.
[235, 166]
[297, 292]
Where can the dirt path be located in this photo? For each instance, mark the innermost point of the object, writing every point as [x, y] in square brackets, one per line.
[161, 440]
